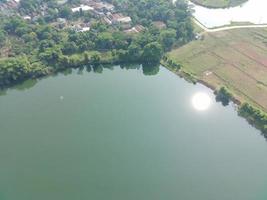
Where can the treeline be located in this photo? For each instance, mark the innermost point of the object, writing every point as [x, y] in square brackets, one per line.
[254, 116]
[13, 70]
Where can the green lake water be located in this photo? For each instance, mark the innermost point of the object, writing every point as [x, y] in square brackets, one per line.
[124, 134]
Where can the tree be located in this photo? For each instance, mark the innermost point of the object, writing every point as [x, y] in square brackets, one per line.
[2, 38]
[150, 69]
[95, 58]
[12, 24]
[152, 52]
[224, 96]
[134, 52]
[69, 48]
[104, 40]
[51, 55]
[167, 38]
[65, 12]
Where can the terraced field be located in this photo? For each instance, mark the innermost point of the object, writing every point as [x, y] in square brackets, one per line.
[234, 58]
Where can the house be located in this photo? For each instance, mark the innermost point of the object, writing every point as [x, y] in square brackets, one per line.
[80, 27]
[82, 7]
[124, 20]
[100, 6]
[106, 20]
[119, 18]
[12, 3]
[135, 29]
[84, 29]
[105, 7]
[98, 13]
[27, 17]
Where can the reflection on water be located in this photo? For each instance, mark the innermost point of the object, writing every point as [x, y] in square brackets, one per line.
[21, 87]
[148, 70]
[201, 101]
[253, 11]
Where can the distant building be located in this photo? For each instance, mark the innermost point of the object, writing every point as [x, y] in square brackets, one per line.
[84, 29]
[107, 20]
[135, 29]
[27, 17]
[124, 20]
[82, 7]
[102, 6]
[98, 13]
[119, 18]
[81, 27]
[12, 3]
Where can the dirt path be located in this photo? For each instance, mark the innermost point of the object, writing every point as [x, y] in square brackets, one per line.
[228, 27]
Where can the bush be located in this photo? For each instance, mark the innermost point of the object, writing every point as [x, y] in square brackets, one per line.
[224, 96]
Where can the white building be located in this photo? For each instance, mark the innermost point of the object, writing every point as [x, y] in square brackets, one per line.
[124, 19]
[84, 29]
[82, 7]
[27, 17]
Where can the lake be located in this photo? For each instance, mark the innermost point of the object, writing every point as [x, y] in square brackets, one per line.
[253, 11]
[126, 133]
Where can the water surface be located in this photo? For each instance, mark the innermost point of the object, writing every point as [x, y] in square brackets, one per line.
[122, 135]
[253, 11]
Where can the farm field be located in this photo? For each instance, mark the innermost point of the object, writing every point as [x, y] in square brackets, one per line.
[236, 59]
[218, 3]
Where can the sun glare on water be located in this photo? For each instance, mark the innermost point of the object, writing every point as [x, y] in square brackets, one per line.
[201, 101]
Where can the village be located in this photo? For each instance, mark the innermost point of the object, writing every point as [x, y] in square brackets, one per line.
[99, 10]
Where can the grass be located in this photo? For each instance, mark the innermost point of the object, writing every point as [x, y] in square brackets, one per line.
[219, 3]
[236, 59]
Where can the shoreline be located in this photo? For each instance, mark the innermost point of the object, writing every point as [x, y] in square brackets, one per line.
[216, 7]
[177, 70]
[233, 25]
[250, 118]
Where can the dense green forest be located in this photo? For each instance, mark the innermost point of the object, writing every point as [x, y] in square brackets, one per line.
[30, 49]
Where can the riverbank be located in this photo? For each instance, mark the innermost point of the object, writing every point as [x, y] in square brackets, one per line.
[218, 3]
[36, 70]
[254, 116]
[232, 59]
[233, 25]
